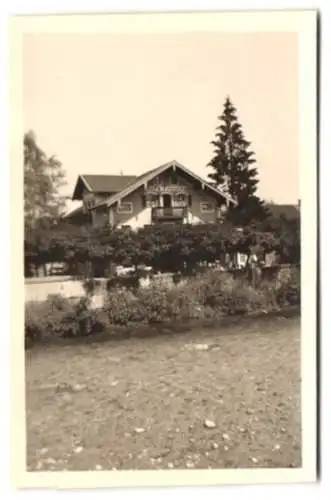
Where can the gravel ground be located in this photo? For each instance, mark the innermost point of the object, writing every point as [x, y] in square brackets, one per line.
[213, 398]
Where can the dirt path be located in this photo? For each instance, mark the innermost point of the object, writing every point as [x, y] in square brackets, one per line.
[143, 403]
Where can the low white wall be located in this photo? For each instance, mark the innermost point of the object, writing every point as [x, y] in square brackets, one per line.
[38, 289]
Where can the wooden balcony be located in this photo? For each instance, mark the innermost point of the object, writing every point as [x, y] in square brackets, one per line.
[168, 214]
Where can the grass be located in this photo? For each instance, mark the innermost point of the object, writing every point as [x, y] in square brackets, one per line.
[142, 403]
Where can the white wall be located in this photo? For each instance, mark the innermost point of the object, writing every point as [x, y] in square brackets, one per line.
[37, 290]
[192, 219]
[141, 219]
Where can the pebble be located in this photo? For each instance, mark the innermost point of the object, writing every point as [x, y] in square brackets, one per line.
[215, 446]
[170, 465]
[114, 383]
[66, 397]
[201, 347]
[209, 424]
[98, 467]
[78, 449]
[50, 461]
[43, 451]
[226, 437]
[139, 430]
[282, 429]
[79, 387]
[189, 465]
[254, 460]
[226, 448]
[277, 447]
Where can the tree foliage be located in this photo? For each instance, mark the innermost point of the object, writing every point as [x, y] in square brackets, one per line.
[43, 203]
[233, 169]
[165, 248]
[289, 236]
[43, 178]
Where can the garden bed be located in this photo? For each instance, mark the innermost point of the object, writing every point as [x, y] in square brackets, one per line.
[210, 299]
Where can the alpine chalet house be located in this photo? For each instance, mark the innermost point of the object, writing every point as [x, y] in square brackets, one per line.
[168, 193]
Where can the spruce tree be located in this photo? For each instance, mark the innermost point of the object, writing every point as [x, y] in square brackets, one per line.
[233, 169]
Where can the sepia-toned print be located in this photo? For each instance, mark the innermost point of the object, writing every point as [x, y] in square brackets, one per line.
[163, 255]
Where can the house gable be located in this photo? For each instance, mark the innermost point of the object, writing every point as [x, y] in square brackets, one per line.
[80, 188]
[136, 209]
[149, 177]
[143, 200]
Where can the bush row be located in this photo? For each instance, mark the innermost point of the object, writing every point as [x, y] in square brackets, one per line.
[209, 296]
[166, 247]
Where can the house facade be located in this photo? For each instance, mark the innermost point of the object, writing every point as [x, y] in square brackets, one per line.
[169, 193]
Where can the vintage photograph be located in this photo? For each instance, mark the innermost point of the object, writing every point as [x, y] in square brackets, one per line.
[162, 249]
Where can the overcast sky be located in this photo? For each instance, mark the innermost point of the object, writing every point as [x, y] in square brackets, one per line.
[127, 103]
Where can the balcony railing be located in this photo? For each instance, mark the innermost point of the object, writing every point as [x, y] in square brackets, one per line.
[172, 213]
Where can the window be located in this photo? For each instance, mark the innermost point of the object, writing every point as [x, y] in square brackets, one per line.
[89, 201]
[179, 198]
[90, 204]
[207, 207]
[124, 208]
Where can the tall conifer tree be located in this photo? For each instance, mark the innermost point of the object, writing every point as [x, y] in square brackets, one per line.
[233, 169]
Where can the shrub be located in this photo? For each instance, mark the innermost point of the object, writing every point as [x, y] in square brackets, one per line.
[91, 286]
[130, 282]
[208, 296]
[226, 295]
[123, 307]
[155, 304]
[160, 304]
[288, 287]
[44, 320]
[60, 317]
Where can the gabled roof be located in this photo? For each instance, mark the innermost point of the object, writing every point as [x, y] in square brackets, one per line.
[102, 183]
[149, 175]
[289, 211]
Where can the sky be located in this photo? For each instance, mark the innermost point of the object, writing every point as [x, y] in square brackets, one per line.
[126, 103]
